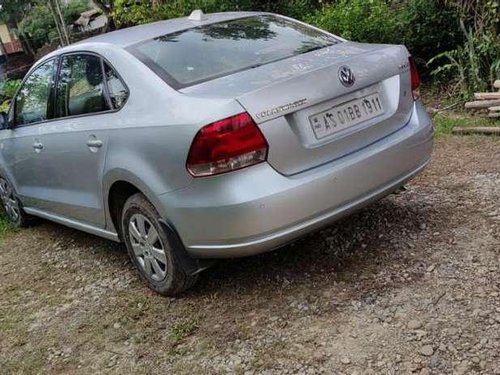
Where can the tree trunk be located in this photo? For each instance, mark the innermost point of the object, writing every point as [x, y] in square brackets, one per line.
[51, 8]
[63, 23]
[28, 49]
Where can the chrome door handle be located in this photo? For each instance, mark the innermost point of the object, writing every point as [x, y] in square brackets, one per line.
[38, 145]
[94, 143]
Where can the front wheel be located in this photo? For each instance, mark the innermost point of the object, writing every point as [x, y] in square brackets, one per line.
[150, 250]
[12, 206]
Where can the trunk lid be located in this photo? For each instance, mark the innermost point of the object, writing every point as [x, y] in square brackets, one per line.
[287, 98]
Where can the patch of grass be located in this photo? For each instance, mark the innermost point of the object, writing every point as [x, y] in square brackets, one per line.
[182, 329]
[177, 351]
[10, 321]
[444, 124]
[5, 226]
[32, 362]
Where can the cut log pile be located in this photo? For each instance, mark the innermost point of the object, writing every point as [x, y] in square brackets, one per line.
[489, 101]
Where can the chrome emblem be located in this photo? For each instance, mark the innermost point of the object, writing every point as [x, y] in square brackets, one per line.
[283, 108]
[346, 76]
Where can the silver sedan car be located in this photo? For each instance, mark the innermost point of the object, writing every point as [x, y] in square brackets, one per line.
[211, 136]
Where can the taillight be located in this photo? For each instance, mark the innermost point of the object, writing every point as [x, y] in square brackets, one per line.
[415, 79]
[226, 145]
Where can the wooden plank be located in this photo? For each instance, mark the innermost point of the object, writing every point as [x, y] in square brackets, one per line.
[497, 84]
[483, 130]
[494, 115]
[482, 104]
[494, 109]
[487, 95]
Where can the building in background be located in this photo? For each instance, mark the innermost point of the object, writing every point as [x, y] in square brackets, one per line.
[14, 62]
[10, 42]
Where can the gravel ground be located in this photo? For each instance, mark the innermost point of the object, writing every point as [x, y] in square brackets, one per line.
[408, 285]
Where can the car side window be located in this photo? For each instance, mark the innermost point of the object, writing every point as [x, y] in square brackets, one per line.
[117, 90]
[32, 101]
[80, 86]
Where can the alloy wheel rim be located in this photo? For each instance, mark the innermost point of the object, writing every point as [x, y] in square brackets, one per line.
[9, 200]
[148, 247]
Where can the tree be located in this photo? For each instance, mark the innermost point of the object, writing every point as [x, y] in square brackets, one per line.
[38, 26]
[13, 11]
[482, 15]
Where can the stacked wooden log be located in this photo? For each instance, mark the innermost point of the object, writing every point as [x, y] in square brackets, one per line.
[489, 101]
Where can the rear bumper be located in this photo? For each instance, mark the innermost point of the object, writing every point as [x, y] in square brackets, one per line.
[257, 209]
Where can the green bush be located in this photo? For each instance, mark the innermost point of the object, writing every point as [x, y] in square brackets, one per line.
[9, 87]
[473, 66]
[74, 9]
[426, 27]
[128, 13]
[429, 27]
[359, 20]
[298, 9]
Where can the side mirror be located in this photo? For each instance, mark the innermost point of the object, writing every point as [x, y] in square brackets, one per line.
[4, 120]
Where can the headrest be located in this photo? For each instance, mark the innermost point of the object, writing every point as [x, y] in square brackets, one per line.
[93, 72]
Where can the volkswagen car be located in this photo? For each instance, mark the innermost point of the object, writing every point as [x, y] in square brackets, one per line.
[211, 136]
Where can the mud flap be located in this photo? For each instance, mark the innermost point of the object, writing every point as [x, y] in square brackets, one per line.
[190, 265]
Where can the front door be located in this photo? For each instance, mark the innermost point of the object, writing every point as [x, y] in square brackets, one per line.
[21, 146]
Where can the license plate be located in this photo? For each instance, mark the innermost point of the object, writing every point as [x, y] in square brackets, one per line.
[346, 115]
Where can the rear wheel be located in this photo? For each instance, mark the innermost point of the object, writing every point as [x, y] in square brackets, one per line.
[150, 250]
[12, 205]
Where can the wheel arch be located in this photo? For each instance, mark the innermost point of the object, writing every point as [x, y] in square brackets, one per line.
[4, 172]
[119, 190]
[118, 187]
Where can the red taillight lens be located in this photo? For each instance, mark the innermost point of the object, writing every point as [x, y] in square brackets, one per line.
[226, 145]
[415, 79]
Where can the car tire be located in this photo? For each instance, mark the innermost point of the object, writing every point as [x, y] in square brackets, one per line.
[150, 250]
[12, 206]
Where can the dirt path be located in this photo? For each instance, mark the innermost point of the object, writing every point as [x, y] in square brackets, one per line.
[411, 284]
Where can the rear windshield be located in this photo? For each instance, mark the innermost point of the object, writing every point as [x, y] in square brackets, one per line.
[203, 53]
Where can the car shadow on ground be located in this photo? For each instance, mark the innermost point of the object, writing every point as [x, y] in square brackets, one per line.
[374, 236]
[381, 233]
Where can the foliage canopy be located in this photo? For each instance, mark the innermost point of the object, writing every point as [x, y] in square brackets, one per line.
[455, 40]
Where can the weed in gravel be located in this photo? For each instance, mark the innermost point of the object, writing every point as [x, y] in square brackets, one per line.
[5, 226]
[29, 363]
[10, 320]
[183, 329]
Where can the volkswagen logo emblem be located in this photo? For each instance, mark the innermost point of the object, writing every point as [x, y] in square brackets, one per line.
[346, 76]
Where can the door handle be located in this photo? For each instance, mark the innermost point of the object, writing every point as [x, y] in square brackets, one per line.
[38, 145]
[94, 143]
